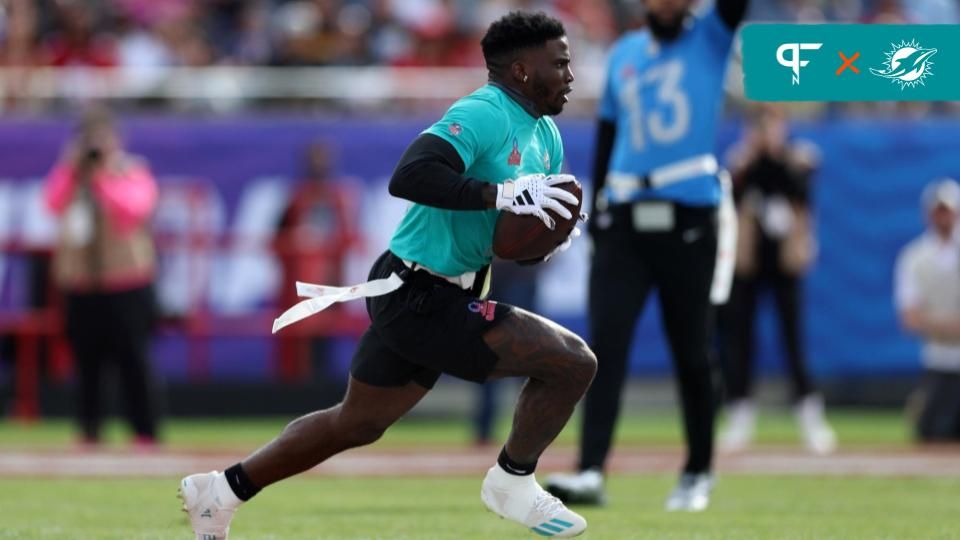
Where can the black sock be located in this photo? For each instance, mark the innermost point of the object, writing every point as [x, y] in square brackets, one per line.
[240, 483]
[512, 467]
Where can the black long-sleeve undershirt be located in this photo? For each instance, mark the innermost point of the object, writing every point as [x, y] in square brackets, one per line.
[732, 11]
[606, 133]
[430, 172]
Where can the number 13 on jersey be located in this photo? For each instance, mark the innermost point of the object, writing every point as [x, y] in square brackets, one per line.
[667, 119]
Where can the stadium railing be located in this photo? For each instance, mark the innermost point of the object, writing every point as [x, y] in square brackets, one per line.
[229, 87]
[36, 326]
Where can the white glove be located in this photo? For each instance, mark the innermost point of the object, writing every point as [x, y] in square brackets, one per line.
[534, 194]
[574, 233]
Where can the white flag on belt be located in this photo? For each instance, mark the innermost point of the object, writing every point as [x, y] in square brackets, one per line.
[322, 296]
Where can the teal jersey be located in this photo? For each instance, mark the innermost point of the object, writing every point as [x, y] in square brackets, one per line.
[498, 140]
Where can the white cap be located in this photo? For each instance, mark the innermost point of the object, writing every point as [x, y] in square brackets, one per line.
[945, 191]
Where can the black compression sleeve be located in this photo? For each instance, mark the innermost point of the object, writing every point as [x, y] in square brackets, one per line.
[606, 132]
[732, 11]
[430, 172]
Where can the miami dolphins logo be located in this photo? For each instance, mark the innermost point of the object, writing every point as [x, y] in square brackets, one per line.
[907, 64]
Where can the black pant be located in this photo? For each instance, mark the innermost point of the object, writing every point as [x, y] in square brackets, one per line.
[627, 264]
[106, 328]
[939, 419]
[736, 323]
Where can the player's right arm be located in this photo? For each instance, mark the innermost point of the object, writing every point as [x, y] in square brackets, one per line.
[432, 170]
[431, 173]
[603, 147]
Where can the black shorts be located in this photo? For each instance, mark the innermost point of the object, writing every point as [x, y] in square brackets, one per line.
[426, 327]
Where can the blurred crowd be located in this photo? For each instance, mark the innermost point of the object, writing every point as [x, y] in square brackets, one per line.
[147, 36]
[346, 32]
[858, 11]
[268, 32]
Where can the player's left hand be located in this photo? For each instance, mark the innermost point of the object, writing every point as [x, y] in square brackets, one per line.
[574, 233]
[583, 217]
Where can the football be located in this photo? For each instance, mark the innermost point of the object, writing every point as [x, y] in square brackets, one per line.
[524, 238]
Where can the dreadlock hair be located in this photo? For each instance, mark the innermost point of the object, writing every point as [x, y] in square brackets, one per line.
[514, 32]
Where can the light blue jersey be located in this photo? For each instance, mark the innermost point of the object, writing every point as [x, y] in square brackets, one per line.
[498, 140]
[666, 99]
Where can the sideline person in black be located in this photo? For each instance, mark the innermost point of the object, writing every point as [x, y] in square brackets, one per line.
[771, 179]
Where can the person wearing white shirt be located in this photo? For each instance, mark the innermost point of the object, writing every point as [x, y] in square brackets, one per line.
[927, 295]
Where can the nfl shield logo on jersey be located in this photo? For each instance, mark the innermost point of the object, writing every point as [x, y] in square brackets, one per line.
[514, 158]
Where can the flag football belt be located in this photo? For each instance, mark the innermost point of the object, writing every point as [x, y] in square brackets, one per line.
[320, 297]
[464, 281]
[478, 283]
[623, 186]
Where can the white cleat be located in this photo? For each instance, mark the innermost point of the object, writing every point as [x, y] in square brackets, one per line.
[741, 424]
[209, 508]
[521, 499]
[584, 487]
[816, 432]
[692, 493]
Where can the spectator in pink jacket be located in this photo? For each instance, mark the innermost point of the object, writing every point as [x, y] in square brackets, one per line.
[104, 264]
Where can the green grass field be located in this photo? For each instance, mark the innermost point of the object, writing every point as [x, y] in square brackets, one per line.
[854, 427]
[744, 506]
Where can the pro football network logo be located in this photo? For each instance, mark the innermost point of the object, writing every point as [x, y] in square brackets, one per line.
[794, 62]
[907, 64]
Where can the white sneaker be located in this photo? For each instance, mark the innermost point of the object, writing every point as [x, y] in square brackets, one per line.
[210, 503]
[584, 487]
[816, 432]
[692, 493]
[521, 499]
[741, 424]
